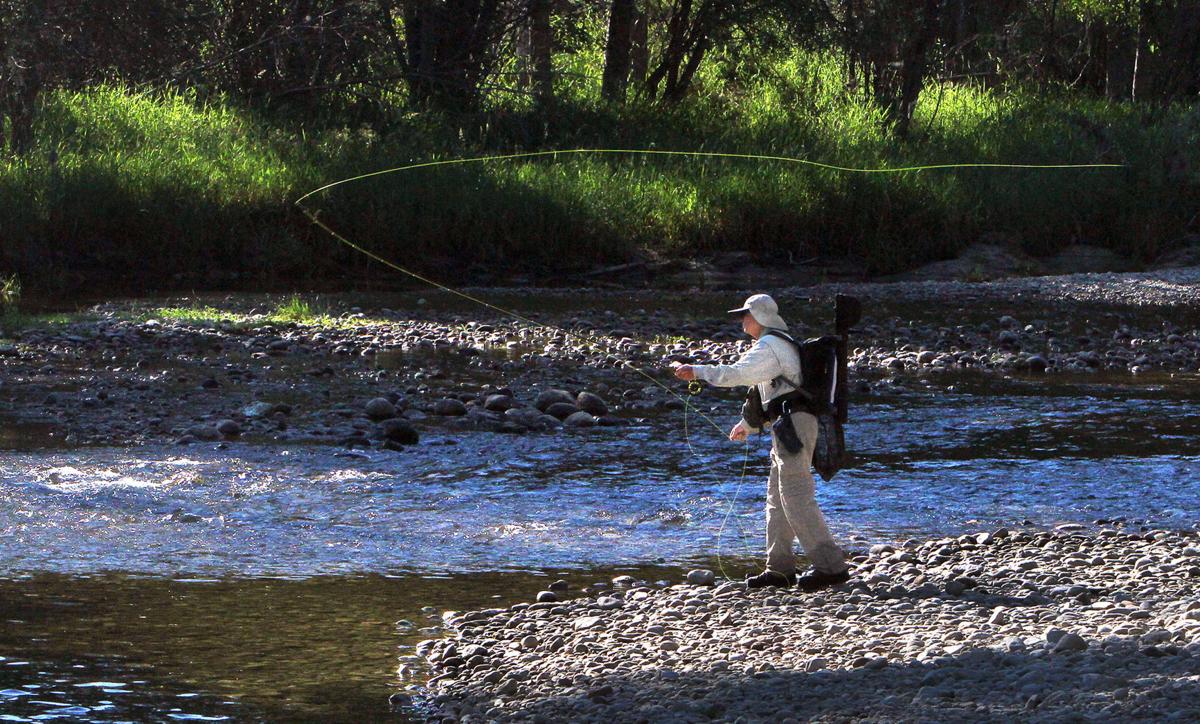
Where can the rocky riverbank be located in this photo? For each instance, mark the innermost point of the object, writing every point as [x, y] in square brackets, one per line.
[122, 373]
[1068, 624]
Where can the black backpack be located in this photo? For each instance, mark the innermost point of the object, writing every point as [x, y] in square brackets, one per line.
[823, 370]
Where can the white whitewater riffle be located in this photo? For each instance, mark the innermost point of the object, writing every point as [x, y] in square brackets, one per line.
[72, 480]
[1056, 625]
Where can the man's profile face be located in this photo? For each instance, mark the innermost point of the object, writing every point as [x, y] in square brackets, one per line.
[749, 325]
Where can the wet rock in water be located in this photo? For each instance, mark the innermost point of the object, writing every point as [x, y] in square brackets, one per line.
[523, 416]
[499, 403]
[181, 516]
[591, 403]
[380, 408]
[400, 431]
[701, 577]
[449, 407]
[546, 398]
[229, 428]
[206, 433]
[1037, 363]
[580, 419]
[559, 586]
[547, 597]
[257, 410]
[562, 410]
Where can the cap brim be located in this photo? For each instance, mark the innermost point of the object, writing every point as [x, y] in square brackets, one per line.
[739, 310]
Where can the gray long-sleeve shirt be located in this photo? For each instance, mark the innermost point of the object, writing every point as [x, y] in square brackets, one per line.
[772, 364]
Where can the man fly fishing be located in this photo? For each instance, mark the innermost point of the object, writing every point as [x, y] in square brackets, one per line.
[772, 369]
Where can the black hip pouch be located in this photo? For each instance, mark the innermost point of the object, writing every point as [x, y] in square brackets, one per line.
[785, 434]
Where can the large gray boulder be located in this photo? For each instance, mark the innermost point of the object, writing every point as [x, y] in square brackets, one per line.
[449, 407]
[380, 408]
[592, 403]
[398, 430]
[499, 403]
[546, 398]
[580, 419]
[561, 410]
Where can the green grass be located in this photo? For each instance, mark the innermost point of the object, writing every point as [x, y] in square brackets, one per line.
[10, 292]
[155, 192]
[293, 309]
[193, 315]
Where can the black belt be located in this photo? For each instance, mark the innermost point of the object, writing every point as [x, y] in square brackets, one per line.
[794, 401]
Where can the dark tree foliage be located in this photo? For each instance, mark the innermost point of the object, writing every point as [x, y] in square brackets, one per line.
[57, 43]
[335, 58]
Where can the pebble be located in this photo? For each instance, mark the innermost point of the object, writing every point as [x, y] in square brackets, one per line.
[123, 353]
[976, 657]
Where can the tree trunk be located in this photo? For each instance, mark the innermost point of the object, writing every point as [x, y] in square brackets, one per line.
[617, 58]
[679, 86]
[912, 73]
[541, 41]
[640, 60]
[672, 57]
[21, 79]
[1121, 52]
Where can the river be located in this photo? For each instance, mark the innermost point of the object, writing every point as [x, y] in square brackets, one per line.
[255, 580]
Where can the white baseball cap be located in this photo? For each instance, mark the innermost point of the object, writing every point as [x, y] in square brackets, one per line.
[764, 310]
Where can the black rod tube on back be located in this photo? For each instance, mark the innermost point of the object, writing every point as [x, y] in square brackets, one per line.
[847, 313]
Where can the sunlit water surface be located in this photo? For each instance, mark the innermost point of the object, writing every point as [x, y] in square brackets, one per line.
[265, 581]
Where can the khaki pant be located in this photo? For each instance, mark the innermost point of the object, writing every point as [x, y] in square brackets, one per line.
[792, 510]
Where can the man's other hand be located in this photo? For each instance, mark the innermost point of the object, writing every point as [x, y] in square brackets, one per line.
[739, 432]
[685, 373]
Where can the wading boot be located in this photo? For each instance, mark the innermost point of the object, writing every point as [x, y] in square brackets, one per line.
[771, 578]
[816, 580]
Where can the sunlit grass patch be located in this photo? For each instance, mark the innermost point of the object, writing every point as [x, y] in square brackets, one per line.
[10, 292]
[193, 314]
[294, 309]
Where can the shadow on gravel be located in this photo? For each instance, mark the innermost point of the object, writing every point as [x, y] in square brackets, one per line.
[1118, 683]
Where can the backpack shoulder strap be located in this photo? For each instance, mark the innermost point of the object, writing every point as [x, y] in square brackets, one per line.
[798, 347]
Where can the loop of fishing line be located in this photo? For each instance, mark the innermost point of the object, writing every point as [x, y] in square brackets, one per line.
[694, 387]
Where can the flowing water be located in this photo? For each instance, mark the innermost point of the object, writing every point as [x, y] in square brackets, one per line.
[263, 581]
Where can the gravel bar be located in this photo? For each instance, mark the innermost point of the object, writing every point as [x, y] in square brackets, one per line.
[1062, 625]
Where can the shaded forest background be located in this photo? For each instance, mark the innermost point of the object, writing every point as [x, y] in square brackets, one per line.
[159, 144]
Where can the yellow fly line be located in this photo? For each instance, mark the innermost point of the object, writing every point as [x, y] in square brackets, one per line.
[692, 389]
[314, 216]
